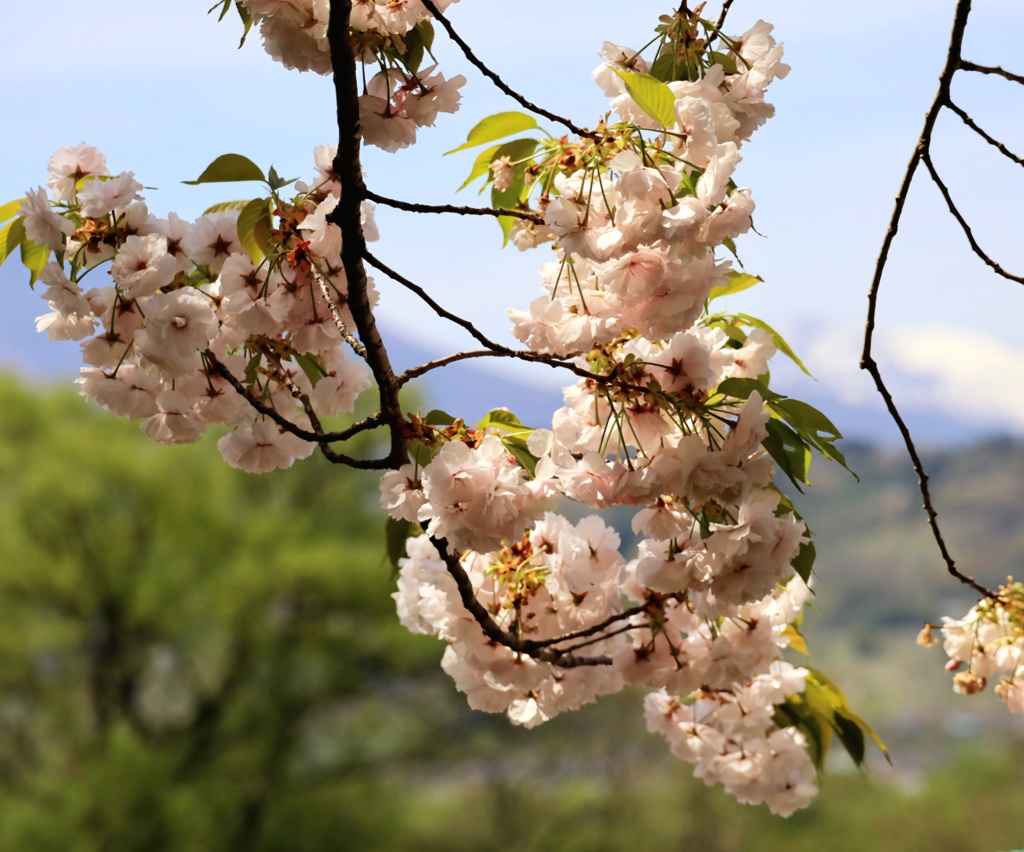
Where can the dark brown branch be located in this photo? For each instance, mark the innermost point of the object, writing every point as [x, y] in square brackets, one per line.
[991, 69]
[494, 632]
[479, 336]
[1006, 152]
[494, 78]
[725, 13]
[453, 208]
[977, 249]
[868, 363]
[348, 216]
[314, 420]
[374, 421]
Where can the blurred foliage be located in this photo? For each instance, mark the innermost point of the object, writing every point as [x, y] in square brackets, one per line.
[196, 659]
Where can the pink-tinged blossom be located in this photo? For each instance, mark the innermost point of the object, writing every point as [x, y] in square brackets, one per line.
[263, 446]
[213, 239]
[174, 422]
[42, 224]
[98, 198]
[477, 498]
[143, 266]
[69, 165]
[130, 393]
[178, 326]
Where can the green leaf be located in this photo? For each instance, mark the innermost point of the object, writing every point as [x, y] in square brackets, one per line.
[851, 736]
[311, 366]
[427, 34]
[789, 452]
[228, 168]
[515, 150]
[481, 166]
[275, 181]
[804, 562]
[243, 13]
[516, 445]
[221, 206]
[723, 59]
[742, 389]
[254, 225]
[496, 126]
[11, 208]
[651, 95]
[34, 256]
[777, 339]
[396, 533]
[505, 420]
[438, 418]
[252, 367]
[412, 57]
[11, 236]
[738, 282]
[420, 453]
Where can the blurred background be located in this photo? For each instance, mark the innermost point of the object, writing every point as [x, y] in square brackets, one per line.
[191, 658]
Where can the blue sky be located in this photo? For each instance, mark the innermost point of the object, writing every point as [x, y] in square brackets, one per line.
[162, 90]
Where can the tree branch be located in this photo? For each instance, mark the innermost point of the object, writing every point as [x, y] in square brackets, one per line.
[977, 249]
[494, 78]
[479, 336]
[374, 421]
[491, 629]
[339, 323]
[991, 69]
[452, 208]
[1006, 152]
[348, 216]
[953, 62]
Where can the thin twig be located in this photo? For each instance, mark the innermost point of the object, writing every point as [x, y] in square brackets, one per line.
[339, 323]
[991, 69]
[453, 208]
[501, 84]
[374, 421]
[318, 429]
[868, 363]
[977, 249]
[492, 630]
[479, 336]
[1006, 152]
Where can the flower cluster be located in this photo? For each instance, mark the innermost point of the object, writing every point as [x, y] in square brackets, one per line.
[671, 417]
[988, 641]
[241, 319]
[184, 299]
[388, 34]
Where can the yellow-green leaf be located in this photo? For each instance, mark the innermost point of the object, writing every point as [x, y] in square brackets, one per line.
[11, 236]
[11, 208]
[221, 206]
[651, 95]
[796, 641]
[34, 256]
[737, 283]
[227, 168]
[254, 224]
[496, 126]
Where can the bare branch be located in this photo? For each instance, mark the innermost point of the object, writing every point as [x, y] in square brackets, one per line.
[953, 62]
[494, 78]
[479, 336]
[991, 69]
[1006, 152]
[453, 208]
[977, 249]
